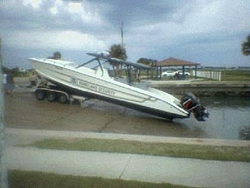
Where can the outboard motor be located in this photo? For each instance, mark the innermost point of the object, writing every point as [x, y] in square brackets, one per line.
[190, 103]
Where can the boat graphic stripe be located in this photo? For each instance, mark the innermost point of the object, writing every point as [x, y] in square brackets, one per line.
[100, 88]
[127, 104]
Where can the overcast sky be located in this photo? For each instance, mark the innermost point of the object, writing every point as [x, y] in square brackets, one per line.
[209, 32]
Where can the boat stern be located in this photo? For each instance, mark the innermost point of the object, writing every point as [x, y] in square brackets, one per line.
[190, 103]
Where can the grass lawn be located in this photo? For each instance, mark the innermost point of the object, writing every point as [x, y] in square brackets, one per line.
[24, 179]
[235, 75]
[223, 153]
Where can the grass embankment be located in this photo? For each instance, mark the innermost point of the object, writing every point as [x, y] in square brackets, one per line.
[21, 179]
[231, 75]
[235, 75]
[223, 153]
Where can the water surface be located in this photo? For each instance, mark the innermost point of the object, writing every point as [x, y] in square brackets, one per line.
[229, 118]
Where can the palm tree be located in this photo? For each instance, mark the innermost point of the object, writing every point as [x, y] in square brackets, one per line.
[119, 52]
[245, 47]
[57, 55]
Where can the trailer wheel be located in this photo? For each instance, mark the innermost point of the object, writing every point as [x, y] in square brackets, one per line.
[62, 98]
[40, 95]
[51, 96]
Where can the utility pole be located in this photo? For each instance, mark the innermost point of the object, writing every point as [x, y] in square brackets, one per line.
[122, 44]
[3, 171]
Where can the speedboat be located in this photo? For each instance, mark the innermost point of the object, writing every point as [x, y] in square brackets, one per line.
[99, 78]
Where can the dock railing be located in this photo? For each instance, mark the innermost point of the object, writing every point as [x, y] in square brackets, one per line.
[215, 75]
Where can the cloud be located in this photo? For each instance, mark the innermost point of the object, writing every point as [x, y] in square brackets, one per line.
[49, 24]
[206, 25]
[50, 15]
[217, 16]
[152, 29]
[70, 40]
[34, 4]
[202, 17]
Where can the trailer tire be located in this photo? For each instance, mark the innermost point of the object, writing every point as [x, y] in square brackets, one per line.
[40, 95]
[51, 96]
[62, 98]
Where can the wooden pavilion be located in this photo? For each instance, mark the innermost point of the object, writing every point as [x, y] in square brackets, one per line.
[170, 62]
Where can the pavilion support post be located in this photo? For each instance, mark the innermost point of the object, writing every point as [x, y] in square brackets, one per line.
[160, 72]
[157, 73]
[183, 72]
[3, 168]
[195, 72]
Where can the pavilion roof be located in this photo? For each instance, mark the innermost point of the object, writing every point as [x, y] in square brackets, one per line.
[175, 62]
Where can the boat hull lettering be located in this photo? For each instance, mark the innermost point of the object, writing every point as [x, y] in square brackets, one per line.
[96, 88]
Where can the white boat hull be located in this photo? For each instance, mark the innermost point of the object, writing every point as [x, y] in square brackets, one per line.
[97, 84]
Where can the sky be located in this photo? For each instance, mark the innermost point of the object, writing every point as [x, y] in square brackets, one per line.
[209, 32]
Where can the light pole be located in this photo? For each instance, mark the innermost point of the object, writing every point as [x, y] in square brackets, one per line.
[3, 171]
[122, 34]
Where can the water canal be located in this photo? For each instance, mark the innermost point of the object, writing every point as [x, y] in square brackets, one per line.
[229, 118]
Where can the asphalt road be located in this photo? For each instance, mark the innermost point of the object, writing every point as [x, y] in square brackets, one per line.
[23, 111]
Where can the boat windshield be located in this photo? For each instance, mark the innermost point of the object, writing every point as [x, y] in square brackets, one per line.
[119, 70]
[92, 64]
[128, 75]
